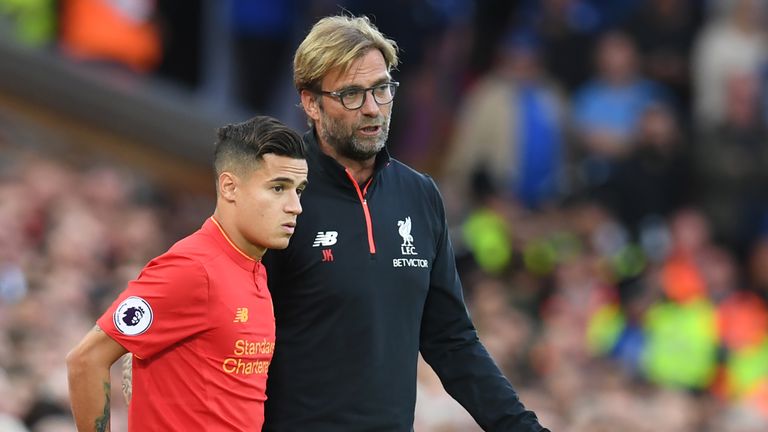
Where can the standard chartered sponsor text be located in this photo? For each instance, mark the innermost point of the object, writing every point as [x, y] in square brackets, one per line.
[249, 365]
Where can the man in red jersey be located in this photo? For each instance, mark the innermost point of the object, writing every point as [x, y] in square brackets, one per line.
[199, 318]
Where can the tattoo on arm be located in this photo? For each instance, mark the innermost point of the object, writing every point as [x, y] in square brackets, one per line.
[127, 377]
[102, 423]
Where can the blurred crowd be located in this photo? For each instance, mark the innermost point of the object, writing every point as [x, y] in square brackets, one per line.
[604, 166]
[73, 233]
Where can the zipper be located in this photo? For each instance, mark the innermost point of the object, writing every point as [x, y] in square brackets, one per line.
[364, 203]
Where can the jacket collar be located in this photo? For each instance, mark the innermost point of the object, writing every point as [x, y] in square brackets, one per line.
[329, 167]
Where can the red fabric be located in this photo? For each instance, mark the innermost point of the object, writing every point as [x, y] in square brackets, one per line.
[743, 320]
[681, 280]
[201, 363]
[99, 30]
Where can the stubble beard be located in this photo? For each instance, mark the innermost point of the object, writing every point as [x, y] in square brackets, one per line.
[342, 138]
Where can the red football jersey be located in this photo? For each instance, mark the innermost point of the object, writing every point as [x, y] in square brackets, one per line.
[200, 323]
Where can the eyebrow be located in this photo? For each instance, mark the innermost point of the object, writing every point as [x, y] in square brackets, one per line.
[287, 180]
[359, 87]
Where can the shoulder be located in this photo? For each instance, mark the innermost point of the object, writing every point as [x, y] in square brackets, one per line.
[174, 266]
[490, 86]
[198, 247]
[185, 260]
[409, 175]
[416, 183]
[589, 90]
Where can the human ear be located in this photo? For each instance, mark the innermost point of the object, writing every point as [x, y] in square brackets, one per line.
[228, 186]
[310, 102]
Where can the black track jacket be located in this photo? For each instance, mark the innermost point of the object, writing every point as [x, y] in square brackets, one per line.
[368, 280]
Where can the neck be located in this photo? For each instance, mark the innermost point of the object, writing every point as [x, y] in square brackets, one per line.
[361, 171]
[236, 239]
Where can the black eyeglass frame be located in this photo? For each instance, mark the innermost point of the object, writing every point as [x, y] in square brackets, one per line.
[339, 94]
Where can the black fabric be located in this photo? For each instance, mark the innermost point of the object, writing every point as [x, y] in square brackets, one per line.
[349, 330]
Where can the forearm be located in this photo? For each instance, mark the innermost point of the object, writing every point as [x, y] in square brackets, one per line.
[88, 367]
[468, 372]
[89, 390]
[128, 377]
[472, 378]
[449, 343]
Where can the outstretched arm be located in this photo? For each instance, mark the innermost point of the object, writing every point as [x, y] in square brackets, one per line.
[88, 367]
[449, 343]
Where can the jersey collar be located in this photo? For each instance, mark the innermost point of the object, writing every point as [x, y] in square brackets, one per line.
[213, 228]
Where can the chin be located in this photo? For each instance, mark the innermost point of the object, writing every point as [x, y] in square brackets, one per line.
[280, 243]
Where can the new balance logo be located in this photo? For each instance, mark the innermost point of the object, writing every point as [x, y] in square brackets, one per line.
[325, 238]
[241, 315]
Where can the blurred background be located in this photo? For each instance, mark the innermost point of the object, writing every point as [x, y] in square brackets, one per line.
[604, 165]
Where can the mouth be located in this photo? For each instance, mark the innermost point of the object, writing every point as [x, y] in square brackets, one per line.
[289, 227]
[370, 130]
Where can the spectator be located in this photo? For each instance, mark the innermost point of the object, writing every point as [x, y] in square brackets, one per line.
[121, 33]
[664, 31]
[512, 127]
[32, 22]
[731, 166]
[568, 29]
[732, 40]
[655, 172]
[607, 110]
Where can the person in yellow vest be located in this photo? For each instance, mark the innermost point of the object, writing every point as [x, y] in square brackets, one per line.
[31, 22]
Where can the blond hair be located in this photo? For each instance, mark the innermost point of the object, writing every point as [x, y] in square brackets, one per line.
[337, 41]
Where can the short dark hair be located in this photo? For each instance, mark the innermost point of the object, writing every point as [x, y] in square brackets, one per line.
[242, 146]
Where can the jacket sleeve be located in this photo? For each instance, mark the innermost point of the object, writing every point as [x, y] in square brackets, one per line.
[449, 343]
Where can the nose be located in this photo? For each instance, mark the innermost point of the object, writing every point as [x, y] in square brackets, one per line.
[370, 107]
[293, 206]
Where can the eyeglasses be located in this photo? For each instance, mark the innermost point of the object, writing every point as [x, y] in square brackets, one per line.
[354, 98]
